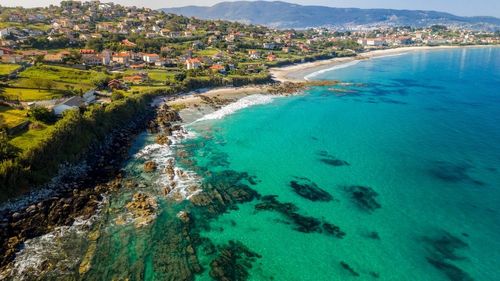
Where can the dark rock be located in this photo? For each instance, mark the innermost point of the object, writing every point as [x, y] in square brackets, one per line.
[331, 160]
[309, 190]
[364, 197]
[333, 230]
[453, 173]
[335, 162]
[301, 223]
[233, 262]
[222, 191]
[348, 268]
[453, 272]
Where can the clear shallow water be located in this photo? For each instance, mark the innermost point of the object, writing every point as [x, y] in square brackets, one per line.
[423, 131]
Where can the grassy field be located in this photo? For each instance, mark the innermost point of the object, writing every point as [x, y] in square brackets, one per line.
[48, 82]
[31, 94]
[61, 76]
[143, 89]
[11, 117]
[38, 26]
[6, 69]
[208, 52]
[31, 138]
[157, 76]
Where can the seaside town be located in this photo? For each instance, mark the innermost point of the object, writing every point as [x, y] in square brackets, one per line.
[86, 86]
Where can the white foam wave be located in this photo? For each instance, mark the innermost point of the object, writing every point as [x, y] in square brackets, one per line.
[57, 246]
[340, 66]
[389, 55]
[236, 106]
[184, 183]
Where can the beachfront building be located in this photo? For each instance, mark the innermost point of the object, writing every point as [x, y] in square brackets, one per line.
[193, 63]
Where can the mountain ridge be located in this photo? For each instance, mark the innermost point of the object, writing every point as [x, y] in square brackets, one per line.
[305, 16]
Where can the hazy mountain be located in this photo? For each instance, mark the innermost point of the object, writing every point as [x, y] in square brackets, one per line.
[287, 15]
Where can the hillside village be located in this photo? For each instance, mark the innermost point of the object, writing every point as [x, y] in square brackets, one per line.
[80, 54]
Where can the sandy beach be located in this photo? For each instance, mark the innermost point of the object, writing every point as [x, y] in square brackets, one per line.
[196, 104]
[298, 72]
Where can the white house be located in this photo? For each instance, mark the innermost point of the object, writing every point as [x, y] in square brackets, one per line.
[5, 32]
[69, 104]
[193, 63]
[150, 58]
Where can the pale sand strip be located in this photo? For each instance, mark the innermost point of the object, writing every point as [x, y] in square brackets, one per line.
[228, 93]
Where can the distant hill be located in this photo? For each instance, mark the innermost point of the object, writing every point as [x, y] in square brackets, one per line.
[286, 15]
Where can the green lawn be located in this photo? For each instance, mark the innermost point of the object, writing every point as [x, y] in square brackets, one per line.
[31, 94]
[157, 76]
[53, 82]
[31, 138]
[143, 89]
[6, 69]
[39, 26]
[62, 78]
[11, 117]
[208, 52]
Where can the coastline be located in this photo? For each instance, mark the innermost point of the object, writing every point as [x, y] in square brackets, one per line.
[192, 105]
[298, 72]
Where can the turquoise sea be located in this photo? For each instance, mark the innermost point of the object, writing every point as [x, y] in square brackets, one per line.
[421, 129]
[392, 174]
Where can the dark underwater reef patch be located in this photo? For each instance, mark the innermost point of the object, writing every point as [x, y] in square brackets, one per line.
[349, 269]
[305, 188]
[442, 251]
[218, 159]
[453, 272]
[371, 235]
[331, 160]
[223, 190]
[392, 101]
[453, 172]
[233, 262]
[364, 197]
[301, 223]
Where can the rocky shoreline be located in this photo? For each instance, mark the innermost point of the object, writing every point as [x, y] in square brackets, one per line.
[79, 197]
[73, 197]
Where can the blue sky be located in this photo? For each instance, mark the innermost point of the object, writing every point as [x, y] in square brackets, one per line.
[459, 7]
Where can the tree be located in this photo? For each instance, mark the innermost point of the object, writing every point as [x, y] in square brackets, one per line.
[101, 82]
[116, 95]
[42, 114]
[7, 150]
[180, 76]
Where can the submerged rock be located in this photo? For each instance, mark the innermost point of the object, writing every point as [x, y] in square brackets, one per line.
[453, 173]
[364, 197]
[301, 223]
[453, 272]
[150, 166]
[310, 190]
[223, 191]
[233, 262]
[335, 162]
[143, 209]
[162, 140]
[331, 160]
[442, 251]
[347, 267]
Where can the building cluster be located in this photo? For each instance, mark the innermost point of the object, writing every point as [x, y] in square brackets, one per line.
[93, 34]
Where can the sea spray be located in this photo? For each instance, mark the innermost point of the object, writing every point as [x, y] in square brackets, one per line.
[183, 183]
[238, 105]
